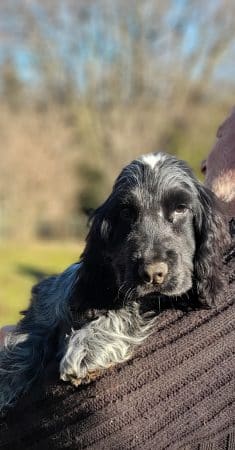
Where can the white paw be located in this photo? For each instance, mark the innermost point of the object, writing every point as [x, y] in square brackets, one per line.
[79, 362]
[102, 343]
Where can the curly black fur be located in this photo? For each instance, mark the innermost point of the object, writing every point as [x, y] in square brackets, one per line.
[138, 223]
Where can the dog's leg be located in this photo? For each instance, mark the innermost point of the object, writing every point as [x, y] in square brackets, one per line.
[26, 350]
[102, 343]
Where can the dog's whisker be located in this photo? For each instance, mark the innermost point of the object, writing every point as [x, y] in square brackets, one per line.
[127, 296]
[131, 294]
[121, 287]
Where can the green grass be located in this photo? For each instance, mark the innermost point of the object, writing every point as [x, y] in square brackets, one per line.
[21, 265]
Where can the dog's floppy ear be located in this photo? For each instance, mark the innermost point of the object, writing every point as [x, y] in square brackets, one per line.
[96, 287]
[101, 226]
[212, 238]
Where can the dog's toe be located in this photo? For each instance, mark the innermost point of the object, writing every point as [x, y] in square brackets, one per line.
[91, 375]
[87, 378]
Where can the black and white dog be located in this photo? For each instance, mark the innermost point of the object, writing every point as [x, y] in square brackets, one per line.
[159, 234]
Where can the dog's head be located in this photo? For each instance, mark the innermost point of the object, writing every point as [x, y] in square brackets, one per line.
[159, 232]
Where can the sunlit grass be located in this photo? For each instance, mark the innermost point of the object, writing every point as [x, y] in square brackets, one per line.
[22, 264]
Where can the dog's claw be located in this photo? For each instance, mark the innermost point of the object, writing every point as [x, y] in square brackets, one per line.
[88, 378]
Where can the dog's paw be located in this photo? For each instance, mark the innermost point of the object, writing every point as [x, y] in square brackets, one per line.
[103, 343]
[74, 379]
[84, 360]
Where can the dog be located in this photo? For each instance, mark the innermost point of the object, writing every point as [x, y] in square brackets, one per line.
[159, 235]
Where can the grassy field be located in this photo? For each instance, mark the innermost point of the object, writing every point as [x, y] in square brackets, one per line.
[22, 265]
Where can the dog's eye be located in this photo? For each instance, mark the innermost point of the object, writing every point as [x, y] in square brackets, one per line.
[180, 209]
[127, 214]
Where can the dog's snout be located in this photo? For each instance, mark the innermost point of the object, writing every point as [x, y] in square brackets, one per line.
[153, 273]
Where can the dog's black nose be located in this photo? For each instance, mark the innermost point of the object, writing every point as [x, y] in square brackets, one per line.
[153, 273]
